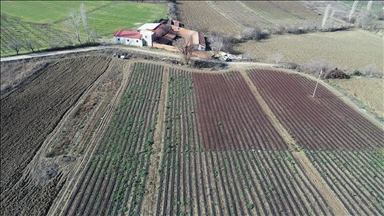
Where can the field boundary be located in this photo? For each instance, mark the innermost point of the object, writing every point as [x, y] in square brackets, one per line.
[151, 196]
[334, 203]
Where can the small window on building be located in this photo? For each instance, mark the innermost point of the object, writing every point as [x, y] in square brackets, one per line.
[137, 41]
[127, 39]
[145, 36]
[118, 39]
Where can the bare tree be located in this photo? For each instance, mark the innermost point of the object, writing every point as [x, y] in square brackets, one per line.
[93, 34]
[369, 6]
[317, 65]
[15, 45]
[216, 42]
[31, 44]
[276, 57]
[73, 24]
[186, 47]
[352, 10]
[365, 20]
[84, 19]
[326, 14]
[252, 33]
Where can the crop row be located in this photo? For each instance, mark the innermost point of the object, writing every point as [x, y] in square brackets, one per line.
[113, 183]
[180, 140]
[355, 176]
[316, 123]
[229, 115]
[194, 180]
[237, 182]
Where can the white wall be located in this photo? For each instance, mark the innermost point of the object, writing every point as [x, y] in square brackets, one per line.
[129, 41]
[148, 37]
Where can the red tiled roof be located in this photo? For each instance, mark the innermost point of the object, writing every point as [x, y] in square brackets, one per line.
[128, 34]
[158, 30]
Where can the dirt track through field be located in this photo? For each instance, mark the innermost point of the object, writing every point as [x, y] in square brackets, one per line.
[153, 182]
[282, 131]
[316, 179]
[74, 180]
[310, 171]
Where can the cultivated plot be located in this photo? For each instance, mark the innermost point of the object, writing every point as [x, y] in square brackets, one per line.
[114, 181]
[200, 16]
[28, 116]
[229, 115]
[355, 176]
[316, 123]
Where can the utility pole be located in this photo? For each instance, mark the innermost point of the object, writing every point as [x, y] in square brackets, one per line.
[317, 83]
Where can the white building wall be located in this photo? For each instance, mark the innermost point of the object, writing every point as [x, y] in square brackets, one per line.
[129, 41]
[148, 37]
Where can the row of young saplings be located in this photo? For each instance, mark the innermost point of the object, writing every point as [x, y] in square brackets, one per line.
[119, 171]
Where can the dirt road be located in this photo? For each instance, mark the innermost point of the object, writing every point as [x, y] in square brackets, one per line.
[144, 50]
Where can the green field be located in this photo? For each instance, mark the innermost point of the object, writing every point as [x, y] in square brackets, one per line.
[40, 20]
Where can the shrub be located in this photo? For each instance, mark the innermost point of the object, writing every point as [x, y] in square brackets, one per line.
[291, 66]
[370, 70]
[356, 73]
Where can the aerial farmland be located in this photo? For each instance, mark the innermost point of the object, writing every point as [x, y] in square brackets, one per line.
[87, 132]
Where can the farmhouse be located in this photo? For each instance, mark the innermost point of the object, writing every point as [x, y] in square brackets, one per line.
[159, 35]
[144, 36]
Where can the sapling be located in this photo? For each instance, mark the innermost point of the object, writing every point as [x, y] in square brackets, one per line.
[326, 14]
[352, 10]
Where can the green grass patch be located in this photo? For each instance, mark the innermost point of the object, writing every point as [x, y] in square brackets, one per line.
[43, 21]
[106, 17]
[45, 11]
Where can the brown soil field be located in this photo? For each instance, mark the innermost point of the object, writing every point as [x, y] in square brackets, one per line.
[240, 14]
[200, 16]
[349, 50]
[370, 91]
[28, 115]
[284, 12]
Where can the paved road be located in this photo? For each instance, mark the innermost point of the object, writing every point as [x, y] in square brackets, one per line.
[141, 50]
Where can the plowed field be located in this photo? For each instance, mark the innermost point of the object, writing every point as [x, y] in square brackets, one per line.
[29, 114]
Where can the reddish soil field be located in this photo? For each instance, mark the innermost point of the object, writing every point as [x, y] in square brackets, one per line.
[28, 115]
[316, 123]
[229, 115]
